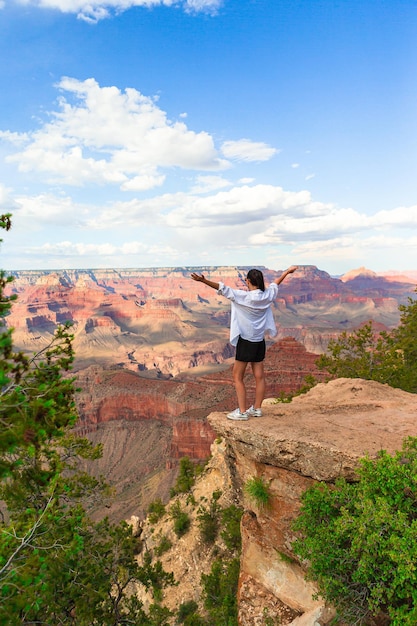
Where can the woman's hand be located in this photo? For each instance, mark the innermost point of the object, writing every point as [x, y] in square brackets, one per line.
[198, 277]
[290, 270]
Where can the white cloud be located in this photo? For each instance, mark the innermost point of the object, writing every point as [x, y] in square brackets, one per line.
[226, 226]
[404, 217]
[247, 150]
[295, 165]
[233, 208]
[263, 214]
[68, 254]
[134, 213]
[206, 184]
[350, 247]
[205, 6]
[321, 226]
[95, 10]
[68, 248]
[49, 210]
[106, 136]
[142, 183]
[7, 203]
[14, 138]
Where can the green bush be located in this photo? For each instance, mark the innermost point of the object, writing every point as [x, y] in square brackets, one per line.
[155, 577]
[257, 490]
[187, 473]
[164, 545]
[387, 357]
[219, 591]
[186, 477]
[188, 615]
[360, 539]
[181, 519]
[230, 522]
[156, 511]
[208, 522]
[186, 609]
[268, 620]
[208, 519]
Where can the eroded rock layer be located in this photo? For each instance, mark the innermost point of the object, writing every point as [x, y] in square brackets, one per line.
[318, 437]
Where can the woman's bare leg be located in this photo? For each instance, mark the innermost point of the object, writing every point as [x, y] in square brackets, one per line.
[259, 375]
[239, 369]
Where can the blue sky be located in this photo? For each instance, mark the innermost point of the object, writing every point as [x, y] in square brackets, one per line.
[141, 133]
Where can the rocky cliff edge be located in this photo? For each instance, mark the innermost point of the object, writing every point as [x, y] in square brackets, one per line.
[318, 436]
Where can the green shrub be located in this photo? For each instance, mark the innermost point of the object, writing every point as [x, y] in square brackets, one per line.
[230, 522]
[208, 522]
[195, 620]
[257, 489]
[387, 357]
[208, 519]
[360, 539]
[181, 519]
[164, 545]
[188, 615]
[156, 511]
[155, 577]
[187, 473]
[186, 608]
[219, 591]
[186, 477]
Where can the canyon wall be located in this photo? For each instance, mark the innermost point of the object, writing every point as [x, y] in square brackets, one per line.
[147, 425]
[317, 437]
[160, 323]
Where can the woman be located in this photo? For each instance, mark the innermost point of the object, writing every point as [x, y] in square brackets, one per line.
[251, 318]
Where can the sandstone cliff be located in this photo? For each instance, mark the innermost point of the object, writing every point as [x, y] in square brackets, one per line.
[318, 437]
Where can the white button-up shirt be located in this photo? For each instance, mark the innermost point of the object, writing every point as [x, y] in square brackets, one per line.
[251, 314]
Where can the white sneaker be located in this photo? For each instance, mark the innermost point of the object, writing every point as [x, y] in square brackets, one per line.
[254, 412]
[237, 415]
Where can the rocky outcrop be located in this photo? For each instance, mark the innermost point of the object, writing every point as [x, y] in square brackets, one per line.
[318, 437]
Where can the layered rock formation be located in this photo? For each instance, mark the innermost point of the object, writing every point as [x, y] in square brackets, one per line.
[317, 437]
[161, 323]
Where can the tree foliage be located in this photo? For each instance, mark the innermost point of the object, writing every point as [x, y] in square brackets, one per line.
[220, 591]
[56, 565]
[187, 474]
[360, 539]
[387, 356]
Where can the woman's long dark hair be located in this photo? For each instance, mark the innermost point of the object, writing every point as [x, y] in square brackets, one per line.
[256, 278]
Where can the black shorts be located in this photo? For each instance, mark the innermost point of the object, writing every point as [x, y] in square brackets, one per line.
[250, 351]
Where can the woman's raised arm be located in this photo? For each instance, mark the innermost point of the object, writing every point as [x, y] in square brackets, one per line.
[201, 279]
